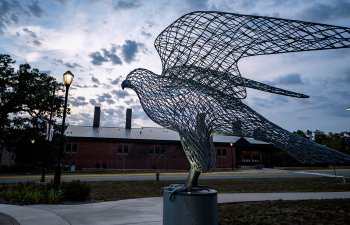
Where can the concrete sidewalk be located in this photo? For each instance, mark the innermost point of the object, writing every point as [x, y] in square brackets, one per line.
[144, 211]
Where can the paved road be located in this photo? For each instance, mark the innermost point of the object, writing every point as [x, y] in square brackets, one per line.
[267, 173]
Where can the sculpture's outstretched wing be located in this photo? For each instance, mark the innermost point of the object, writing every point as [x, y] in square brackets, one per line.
[207, 77]
[217, 40]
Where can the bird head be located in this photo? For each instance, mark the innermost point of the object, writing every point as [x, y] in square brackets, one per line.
[126, 84]
[139, 79]
[132, 78]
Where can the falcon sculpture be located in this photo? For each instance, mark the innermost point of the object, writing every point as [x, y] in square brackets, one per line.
[199, 93]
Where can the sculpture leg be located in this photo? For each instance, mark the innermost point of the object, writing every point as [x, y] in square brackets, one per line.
[192, 179]
[189, 186]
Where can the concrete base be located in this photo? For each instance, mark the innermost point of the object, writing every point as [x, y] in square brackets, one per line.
[194, 208]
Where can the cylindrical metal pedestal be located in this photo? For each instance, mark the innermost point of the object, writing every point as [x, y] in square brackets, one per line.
[194, 208]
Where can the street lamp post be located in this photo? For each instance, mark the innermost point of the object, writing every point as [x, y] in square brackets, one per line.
[67, 79]
[231, 155]
[30, 157]
[47, 141]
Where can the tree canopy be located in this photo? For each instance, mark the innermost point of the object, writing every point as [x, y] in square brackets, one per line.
[337, 141]
[25, 106]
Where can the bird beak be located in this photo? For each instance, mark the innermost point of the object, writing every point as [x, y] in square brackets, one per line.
[127, 84]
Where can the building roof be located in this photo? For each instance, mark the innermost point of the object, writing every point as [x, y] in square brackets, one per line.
[142, 134]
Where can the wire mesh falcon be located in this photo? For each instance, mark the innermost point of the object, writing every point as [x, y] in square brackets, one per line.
[200, 89]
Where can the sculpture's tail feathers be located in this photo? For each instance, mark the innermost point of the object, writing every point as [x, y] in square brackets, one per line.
[302, 149]
[264, 87]
[242, 119]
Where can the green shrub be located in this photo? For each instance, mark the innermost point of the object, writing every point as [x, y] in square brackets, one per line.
[76, 190]
[36, 193]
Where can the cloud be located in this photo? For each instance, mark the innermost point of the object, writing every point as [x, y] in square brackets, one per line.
[130, 101]
[78, 101]
[60, 62]
[112, 56]
[72, 65]
[109, 56]
[268, 103]
[9, 11]
[288, 79]
[129, 50]
[116, 81]
[151, 24]
[147, 35]
[48, 72]
[109, 70]
[61, 2]
[36, 10]
[97, 58]
[31, 33]
[93, 102]
[138, 113]
[120, 93]
[37, 43]
[110, 111]
[57, 62]
[197, 4]
[332, 10]
[14, 19]
[127, 5]
[95, 80]
[105, 97]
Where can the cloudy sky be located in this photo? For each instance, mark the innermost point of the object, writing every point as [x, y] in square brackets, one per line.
[102, 41]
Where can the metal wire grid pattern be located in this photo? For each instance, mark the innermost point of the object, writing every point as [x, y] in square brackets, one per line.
[217, 40]
[198, 93]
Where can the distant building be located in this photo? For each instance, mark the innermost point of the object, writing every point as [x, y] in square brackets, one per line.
[6, 157]
[149, 148]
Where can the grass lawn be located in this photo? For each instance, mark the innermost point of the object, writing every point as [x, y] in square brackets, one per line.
[118, 190]
[329, 211]
[39, 172]
[333, 211]
[267, 212]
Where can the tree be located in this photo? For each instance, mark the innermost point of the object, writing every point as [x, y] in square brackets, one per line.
[25, 108]
[337, 141]
[300, 133]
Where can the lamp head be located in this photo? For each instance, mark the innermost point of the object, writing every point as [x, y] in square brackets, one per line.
[32, 141]
[348, 108]
[68, 78]
[231, 144]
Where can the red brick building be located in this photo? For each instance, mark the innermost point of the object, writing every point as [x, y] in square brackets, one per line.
[149, 148]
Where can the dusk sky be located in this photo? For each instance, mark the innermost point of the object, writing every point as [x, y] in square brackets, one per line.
[100, 42]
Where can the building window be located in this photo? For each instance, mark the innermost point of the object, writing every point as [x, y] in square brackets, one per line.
[162, 150]
[246, 156]
[126, 149]
[66, 168]
[68, 147]
[72, 168]
[98, 166]
[256, 157]
[120, 149]
[219, 152]
[156, 150]
[151, 149]
[224, 152]
[104, 165]
[75, 148]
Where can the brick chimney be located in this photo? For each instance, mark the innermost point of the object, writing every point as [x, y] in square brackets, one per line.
[128, 118]
[97, 116]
